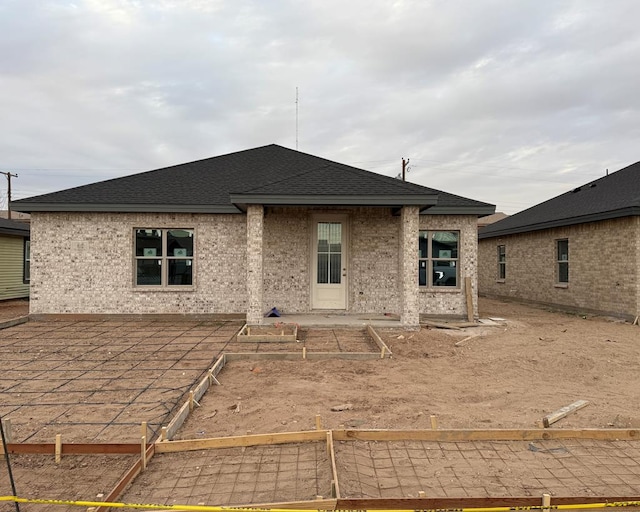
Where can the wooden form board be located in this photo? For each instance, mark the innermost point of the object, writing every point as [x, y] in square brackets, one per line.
[198, 393]
[398, 435]
[384, 349]
[335, 485]
[73, 448]
[279, 337]
[486, 435]
[240, 441]
[444, 504]
[295, 356]
[127, 478]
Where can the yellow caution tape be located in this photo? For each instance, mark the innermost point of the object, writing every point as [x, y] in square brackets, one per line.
[206, 508]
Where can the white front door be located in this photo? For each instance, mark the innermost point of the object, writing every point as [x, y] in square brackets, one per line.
[329, 274]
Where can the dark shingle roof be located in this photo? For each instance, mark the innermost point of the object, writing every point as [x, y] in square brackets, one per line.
[11, 227]
[272, 174]
[609, 197]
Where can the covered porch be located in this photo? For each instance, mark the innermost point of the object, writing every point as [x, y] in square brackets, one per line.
[348, 265]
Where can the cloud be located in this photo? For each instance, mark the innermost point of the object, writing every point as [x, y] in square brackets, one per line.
[506, 102]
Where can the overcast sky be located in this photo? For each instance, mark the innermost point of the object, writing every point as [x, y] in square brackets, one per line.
[504, 101]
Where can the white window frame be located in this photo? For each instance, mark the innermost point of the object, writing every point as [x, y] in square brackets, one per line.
[428, 260]
[165, 258]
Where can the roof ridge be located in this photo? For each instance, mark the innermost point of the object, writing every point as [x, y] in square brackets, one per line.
[296, 175]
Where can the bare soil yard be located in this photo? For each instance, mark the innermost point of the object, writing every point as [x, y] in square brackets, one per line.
[505, 375]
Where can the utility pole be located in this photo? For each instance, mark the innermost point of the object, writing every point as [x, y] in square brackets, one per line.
[9, 176]
[405, 163]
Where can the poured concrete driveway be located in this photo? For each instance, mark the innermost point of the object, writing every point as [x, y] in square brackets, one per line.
[97, 381]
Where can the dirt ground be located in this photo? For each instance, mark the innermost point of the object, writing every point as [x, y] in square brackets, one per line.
[10, 309]
[509, 374]
[501, 376]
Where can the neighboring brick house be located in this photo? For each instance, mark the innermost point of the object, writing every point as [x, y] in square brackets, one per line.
[579, 251]
[248, 231]
[14, 259]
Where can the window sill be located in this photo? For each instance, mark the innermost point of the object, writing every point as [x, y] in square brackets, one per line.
[561, 285]
[440, 289]
[164, 289]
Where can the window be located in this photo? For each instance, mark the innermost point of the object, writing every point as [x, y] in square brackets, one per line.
[502, 262]
[329, 252]
[438, 258]
[26, 268]
[164, 257]
[562, 260]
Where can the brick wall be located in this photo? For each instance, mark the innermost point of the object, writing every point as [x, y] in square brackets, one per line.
[374, 284]
[452, 301]
[83, 263]
[286, 253]
[604, 267]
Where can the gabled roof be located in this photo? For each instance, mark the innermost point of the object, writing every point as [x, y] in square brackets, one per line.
[11, 227]
[613, 196]
[270, 175]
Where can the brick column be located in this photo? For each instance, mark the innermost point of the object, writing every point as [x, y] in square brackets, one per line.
[409, 297]
[255, 225]
[638, 266]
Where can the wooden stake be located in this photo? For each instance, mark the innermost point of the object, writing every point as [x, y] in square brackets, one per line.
[304, 352]
[546, 502]
[58, 448]
[434, 422]
[318, 422]
[143, 428]
[212, 379]
[422, 494]
[329, 442]
[469, 295]
[143, 452]
[163, 434]
[191, 401]
[635, 322]
[8, 431]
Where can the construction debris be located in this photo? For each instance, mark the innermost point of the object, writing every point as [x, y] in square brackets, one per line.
[563, 412]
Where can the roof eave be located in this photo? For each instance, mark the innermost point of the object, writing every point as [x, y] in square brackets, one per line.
[558, 223]
[478, 210]
[15, 232]
[27, 207]
[422, 200]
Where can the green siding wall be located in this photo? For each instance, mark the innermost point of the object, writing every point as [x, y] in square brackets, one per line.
[11, 268]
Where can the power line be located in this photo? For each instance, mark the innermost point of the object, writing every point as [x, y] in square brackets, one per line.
[9, 175]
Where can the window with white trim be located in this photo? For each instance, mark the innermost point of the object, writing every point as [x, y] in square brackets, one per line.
[438, 258]
[163, 257]
[502, 262]
[562, 261]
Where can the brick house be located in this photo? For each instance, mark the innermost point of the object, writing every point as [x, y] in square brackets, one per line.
[14, 259]
[244, 232]
[579, 251]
